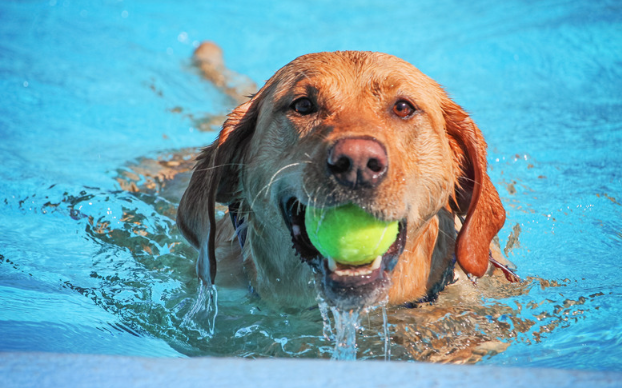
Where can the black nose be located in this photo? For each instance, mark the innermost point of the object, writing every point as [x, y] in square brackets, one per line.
[358, 162]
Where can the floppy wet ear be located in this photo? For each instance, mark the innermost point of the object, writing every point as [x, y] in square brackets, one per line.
[216, 178]
[475, 194]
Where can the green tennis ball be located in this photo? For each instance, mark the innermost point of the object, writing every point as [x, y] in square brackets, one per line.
[348, 234]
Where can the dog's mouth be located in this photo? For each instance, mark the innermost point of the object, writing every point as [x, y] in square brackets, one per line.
[345, 285]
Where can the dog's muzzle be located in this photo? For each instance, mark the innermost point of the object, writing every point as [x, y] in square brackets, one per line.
[345, 286]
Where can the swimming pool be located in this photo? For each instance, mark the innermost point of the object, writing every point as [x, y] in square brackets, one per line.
[87, 89]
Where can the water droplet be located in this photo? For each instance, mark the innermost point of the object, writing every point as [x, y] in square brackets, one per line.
[327, 329]
[183, 37]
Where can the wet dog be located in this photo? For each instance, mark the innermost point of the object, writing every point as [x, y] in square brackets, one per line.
[329, 129]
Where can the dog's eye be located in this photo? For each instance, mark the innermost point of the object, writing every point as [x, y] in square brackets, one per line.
[403, 109]
[303, 105]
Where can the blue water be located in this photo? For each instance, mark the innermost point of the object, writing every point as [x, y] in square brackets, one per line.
[87, 88]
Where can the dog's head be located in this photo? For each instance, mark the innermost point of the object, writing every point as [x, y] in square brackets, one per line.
[330, 129]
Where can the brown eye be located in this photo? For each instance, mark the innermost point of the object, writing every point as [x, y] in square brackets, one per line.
[303, 106]
[403, 109]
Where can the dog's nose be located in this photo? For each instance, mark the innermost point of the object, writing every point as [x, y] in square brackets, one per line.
[358, 162]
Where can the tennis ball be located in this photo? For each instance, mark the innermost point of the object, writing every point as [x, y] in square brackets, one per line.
[348, 234]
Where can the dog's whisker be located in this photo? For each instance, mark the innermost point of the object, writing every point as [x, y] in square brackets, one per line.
[441, 231]
[283, 169]
[332, 192]
[220, 166]
[272, 180]
[266, 188]
[315, 197]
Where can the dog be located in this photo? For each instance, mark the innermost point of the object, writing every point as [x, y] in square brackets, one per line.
[337, 128]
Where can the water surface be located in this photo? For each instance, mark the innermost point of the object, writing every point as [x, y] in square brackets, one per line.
[86, 89]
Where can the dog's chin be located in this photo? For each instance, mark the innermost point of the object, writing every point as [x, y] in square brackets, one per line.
[346, 287]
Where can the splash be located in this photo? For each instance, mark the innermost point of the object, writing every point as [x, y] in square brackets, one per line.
[202, 315]
[346, 325]
[387, 337]
[327, 329]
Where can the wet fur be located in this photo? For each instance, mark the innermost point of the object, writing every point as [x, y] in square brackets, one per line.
[437, 171]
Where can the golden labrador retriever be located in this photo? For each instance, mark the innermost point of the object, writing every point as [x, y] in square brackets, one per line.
[329, 129]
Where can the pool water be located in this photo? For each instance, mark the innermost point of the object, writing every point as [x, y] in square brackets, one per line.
[88, 90]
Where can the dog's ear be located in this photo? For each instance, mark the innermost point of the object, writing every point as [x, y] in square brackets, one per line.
[475, 194]
[216, 178]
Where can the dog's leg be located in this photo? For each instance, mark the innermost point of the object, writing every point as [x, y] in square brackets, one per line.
[209, 59]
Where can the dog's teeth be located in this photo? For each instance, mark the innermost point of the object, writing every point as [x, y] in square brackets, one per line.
[360, 271]
[331, 264]
[296, 230]
[376, 263]
[355, 272]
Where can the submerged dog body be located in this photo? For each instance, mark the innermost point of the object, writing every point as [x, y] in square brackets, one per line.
[330, 129]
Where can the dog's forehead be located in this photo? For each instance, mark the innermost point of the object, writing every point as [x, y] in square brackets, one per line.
[371, 72]
[347, 61]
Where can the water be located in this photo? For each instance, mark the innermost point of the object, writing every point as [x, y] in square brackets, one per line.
[387, 334]
[346, 325]
[88, 89]
[203, 313]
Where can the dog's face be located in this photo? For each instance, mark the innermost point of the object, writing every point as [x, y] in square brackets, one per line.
[331, 129]
[350, 128]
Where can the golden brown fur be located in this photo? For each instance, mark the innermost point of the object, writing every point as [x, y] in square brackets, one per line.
[266, 151]
[209, 59]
